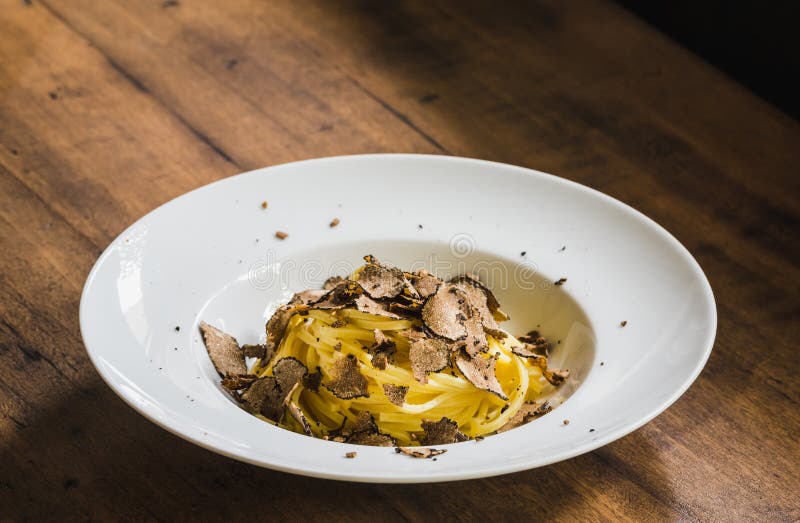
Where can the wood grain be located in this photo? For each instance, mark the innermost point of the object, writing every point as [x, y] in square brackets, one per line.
[108, 109]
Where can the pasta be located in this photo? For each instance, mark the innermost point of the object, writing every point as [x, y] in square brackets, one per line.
[355, 366]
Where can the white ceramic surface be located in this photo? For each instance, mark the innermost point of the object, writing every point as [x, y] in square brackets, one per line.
[211, 254]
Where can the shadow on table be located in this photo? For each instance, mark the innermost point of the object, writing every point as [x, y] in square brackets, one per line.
[90, 456]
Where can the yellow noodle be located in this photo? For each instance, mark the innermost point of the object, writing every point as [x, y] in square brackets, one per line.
[319, 338]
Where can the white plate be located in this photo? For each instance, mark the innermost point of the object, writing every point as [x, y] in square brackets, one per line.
[211, 254]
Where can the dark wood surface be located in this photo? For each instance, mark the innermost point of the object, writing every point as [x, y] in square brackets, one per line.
[110, 108]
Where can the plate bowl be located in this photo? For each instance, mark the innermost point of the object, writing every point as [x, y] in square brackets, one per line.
[212, 255]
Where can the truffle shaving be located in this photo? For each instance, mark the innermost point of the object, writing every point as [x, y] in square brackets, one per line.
[312, 380]
[366, 304]
[380, 281]
[264, 397]
[339, 297]
[444, 313]
[396, 394]
[427, 355]
[419, 452]
[475, 340]
[425, 283]
[528, 412]
[491, 300]
[223, 349]
[442, 432]
[276, 326]
[382, 350]
[255, 351]
[347, 382]
[479, 371]
[477, 298]
[234, 382]
[289, 372]
[332, 282]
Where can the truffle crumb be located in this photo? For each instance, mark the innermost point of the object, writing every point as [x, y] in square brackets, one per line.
[566, 422]
[351, 455]
[563, 248]
[334, 222]
[419, 226]
[264, 204]
[177, 329]
[623, 323]
[281, 235]
[591, 430]
[523, 253]
[560, 281]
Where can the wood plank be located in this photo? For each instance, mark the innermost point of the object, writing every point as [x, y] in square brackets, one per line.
[109, 109]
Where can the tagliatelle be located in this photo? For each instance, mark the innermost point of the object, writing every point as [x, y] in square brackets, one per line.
[320, 337]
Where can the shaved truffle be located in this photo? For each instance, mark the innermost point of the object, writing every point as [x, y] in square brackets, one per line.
[528, 412]
[444, 313]
[480, 372]
[313, 380]
[223, 349]
[332, 282]
[380, 281]
[419, 452]
[288, 372]
[396, 394]
[478, 298]
[347, 382]
[276, 326]
[365, 432]
[425, 283]
[366, 304]
[234, 382]
[264, 397]
[255, 351]
[382, 350]
[427, 355]
[307, 297]
[297, 414]
[442, 432]
[475, 340]
[376, 439]
[491, 300]
[556, 376]
[340, 296]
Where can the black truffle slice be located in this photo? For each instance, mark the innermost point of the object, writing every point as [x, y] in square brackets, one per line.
[366, 304]
[223, 350]
[476, 296]
[379, 281]
[526, 350]
[442, 432]
[265, 397]
[332, 282]
[475, 340]
[428, 355]
[419, 452]
[254, 351]
[396, 394]
[235, 382]
[528, 412]
[347, 382]
[276, 326]
[313, 380]
[288, 372]
[444, 313]
[382, 350]
[425, 283]
[297, 414]
[376, 439]
[339, 297]
[556, 376]
[491, 300]
[480, 372]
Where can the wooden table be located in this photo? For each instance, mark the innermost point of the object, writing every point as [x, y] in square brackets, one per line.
[110, 108]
